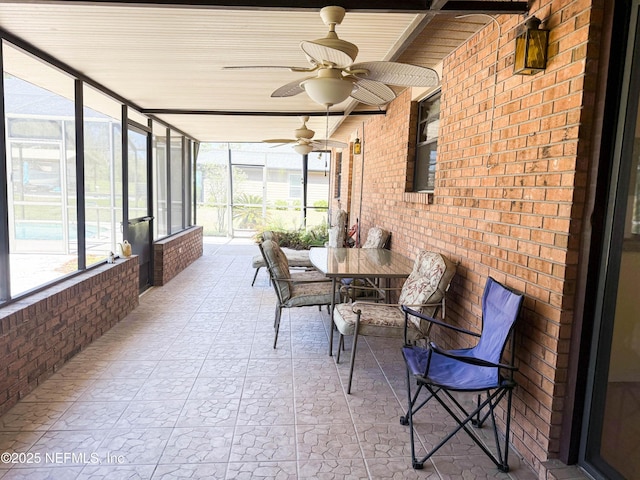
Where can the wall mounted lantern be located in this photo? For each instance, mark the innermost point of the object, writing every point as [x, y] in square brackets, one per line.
[531, 49]
[357, 147]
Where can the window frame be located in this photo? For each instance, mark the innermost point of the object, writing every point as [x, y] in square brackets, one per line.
[431, 143]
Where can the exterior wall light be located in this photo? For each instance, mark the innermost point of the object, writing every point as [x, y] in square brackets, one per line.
[357, 147]
[531, 49]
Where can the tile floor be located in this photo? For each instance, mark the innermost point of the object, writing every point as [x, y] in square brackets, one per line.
[188, 386]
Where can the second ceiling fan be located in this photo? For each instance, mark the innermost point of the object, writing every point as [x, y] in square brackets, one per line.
[304, 143]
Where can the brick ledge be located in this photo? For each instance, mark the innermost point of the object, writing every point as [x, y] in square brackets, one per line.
[425, 198]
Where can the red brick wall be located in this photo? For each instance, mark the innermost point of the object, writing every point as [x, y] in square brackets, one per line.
[511, 181]
[40, 333]
[173, 254]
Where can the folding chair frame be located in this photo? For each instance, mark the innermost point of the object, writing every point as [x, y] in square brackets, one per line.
[463, 416]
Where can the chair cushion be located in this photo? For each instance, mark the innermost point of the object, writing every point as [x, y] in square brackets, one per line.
[269, 235]
[338, 231]
[258, 261]
[427, 283]
[309, 276]
[336, 237]
[279, 268]
[376, 238]
[296, 258]
[375, 320]
[305, 294]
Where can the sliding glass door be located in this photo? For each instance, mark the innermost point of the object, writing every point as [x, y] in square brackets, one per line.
[611, 447]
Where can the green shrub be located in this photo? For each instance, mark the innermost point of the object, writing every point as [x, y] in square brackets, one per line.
[298, 239]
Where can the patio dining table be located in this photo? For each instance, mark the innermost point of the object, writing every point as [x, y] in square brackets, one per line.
[373, 263]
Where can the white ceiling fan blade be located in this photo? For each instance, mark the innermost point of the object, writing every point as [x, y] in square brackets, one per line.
[328, 143]
[282, 141]
[290, 89]
[394, 73]
[313, 68]
[257, 67]
[321, 54]
[372, 93]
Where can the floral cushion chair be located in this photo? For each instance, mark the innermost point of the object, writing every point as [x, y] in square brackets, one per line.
[338, 230]
[424, 291]
[376, 238]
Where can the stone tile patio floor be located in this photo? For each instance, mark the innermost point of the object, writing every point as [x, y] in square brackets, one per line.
[188, 386]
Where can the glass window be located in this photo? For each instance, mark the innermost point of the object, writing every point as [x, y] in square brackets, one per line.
[282, 188]
[338, 176]
[160, 179]
[39, 105]
[188, 182]
[318, 188]
[248, 181]
[264, 186]
[295, 186]
[177, 182]
[427, 143]
[103, 174]
[212, 188]
[137, 170]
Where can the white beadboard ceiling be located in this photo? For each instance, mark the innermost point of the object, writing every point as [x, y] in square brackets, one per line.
[171, 57]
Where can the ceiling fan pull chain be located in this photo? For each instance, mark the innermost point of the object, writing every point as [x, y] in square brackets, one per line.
[326, 141]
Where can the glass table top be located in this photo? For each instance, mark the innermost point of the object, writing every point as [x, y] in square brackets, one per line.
[360, 262]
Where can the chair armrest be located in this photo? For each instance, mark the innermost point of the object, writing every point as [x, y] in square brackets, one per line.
[409, 311]
[358, 303]
[299, 282]
[379, 304]
[365, 287]
[470, 360]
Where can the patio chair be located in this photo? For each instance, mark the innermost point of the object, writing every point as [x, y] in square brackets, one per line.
[296, 258]
[425, 290]
[376, 238]
[304, 290]
[478, 370]
[338, 230]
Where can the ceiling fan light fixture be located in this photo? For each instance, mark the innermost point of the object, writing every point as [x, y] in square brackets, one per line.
[303, 148]
[328, 88]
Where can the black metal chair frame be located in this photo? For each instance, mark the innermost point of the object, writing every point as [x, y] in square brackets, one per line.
[464, 416]
[280, 304]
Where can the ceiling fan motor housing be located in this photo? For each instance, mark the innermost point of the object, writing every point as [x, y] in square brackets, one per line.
[304, 132]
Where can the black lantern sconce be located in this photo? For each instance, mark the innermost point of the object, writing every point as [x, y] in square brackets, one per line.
[531, 49]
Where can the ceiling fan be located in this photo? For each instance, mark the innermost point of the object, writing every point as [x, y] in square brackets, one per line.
[337, 77]
[303, 143]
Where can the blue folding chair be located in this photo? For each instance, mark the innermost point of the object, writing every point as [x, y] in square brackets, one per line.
[477, 369]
